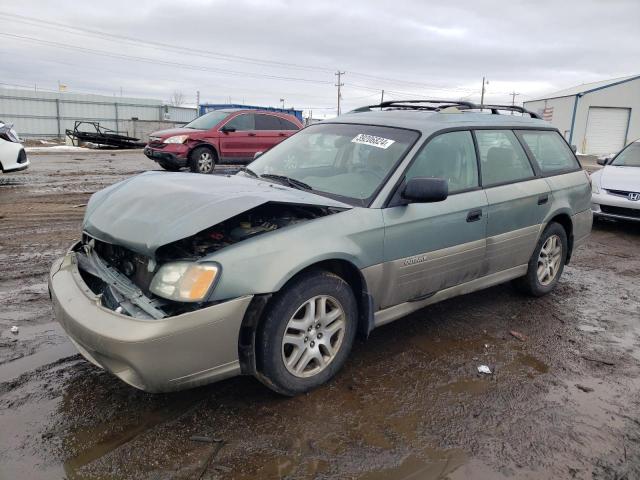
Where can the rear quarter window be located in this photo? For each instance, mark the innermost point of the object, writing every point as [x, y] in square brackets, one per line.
[549, 151]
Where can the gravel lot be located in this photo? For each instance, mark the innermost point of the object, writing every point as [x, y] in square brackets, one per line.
[562, 403]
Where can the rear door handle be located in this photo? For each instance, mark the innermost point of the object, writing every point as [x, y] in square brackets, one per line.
[251, 134]
[542, 199]
[282, 134]
[474, 215]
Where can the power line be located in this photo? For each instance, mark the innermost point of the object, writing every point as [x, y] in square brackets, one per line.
[162, 62]
[210, 54]
[179, 49]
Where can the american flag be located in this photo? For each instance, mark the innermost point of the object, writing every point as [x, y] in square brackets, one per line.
[547, 113]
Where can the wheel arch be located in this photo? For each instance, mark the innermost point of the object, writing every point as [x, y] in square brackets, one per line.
[563, 218]
[343, 268]
[202, 143]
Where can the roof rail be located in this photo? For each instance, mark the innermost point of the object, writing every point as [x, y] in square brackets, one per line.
[437, 105]
[515, 108]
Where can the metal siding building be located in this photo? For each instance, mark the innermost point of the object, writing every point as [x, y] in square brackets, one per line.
[48, 114]
[599, 118]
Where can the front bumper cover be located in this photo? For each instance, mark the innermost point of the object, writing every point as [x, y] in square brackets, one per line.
[162, 355]
[176, 159]
[609, 200]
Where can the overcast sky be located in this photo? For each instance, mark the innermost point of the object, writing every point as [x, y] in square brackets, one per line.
[260, 51]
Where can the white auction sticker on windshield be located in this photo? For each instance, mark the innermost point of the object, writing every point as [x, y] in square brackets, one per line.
[372, 140]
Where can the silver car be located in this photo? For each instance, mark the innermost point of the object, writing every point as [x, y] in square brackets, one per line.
[181, 280]
[616, 187]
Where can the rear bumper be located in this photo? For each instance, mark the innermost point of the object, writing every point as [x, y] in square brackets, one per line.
[619, 208]
[163, 355]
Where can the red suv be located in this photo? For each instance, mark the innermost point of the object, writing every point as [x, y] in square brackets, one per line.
[220, 136]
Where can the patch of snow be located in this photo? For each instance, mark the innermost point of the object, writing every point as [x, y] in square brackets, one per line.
[56, 148]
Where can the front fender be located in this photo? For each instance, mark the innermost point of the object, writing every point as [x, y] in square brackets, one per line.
[265, 263]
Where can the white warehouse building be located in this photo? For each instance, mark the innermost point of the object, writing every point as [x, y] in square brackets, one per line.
[598, 118]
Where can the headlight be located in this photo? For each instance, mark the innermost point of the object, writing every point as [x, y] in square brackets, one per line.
[176, 139]
[185, 281]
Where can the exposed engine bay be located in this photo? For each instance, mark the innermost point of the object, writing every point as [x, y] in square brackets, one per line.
[265, 218]
[122, 277]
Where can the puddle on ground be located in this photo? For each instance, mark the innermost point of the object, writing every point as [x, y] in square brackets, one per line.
[13, 369]
[431, 465]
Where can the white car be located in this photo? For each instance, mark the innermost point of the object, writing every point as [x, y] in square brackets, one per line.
[616, 187]
[12, 155]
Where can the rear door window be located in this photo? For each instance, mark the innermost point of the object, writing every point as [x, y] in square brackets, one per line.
[287, 125]
[242, 122]
[550, 152]
[267, 122]
[502, 158]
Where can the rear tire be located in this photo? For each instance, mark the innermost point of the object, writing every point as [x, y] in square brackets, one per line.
[203, 160]
[307, 333]
[168, 166]
[546, 263]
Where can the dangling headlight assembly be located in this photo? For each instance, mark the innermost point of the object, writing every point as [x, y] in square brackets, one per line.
[185, 281]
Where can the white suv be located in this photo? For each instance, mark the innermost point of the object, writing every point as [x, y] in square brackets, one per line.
[12, 155]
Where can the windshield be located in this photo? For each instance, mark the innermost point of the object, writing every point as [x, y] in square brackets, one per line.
[629, 157]
[208, 120]
[349, 161]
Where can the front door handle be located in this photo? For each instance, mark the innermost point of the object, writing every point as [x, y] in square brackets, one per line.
[474, 215]
[282, 134]
[251, 134]
[542, 199]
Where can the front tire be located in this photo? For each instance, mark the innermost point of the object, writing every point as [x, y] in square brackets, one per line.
[546, 263]
[203, 160]
[307, 333]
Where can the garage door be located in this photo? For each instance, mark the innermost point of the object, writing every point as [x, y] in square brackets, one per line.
[606, 130]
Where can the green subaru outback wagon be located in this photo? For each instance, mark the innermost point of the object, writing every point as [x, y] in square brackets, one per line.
[180, 280]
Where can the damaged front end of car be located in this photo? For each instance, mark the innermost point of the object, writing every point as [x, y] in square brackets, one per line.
[181, 275]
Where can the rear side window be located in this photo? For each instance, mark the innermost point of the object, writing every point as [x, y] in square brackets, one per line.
[502, 159]
[287, 125]
[549, 150]
[242, 122]
[267, 122]
[451, 156]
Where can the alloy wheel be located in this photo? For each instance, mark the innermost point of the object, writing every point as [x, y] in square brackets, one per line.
[549, 260]
[313, 336]
[205, 162]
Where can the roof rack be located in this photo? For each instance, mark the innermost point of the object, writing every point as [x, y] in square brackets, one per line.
[515, 108]
[438, 105]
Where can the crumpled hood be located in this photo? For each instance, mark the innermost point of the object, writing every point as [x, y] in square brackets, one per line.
[156, 208]
[170, 132]
[620, 178]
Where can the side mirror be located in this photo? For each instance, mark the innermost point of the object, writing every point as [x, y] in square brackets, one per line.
[603, 161]
[227, 129]
[257, 154]
[425, 190]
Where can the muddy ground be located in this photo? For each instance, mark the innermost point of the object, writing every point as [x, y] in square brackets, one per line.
[563, 403]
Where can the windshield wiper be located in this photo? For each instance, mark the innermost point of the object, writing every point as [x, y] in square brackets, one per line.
[292, 182]
[249, 171]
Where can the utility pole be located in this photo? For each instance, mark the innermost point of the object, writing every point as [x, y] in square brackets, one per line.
[339, 84]
[198, 100]
[513, 99]
[482, 94]
[282, 101]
